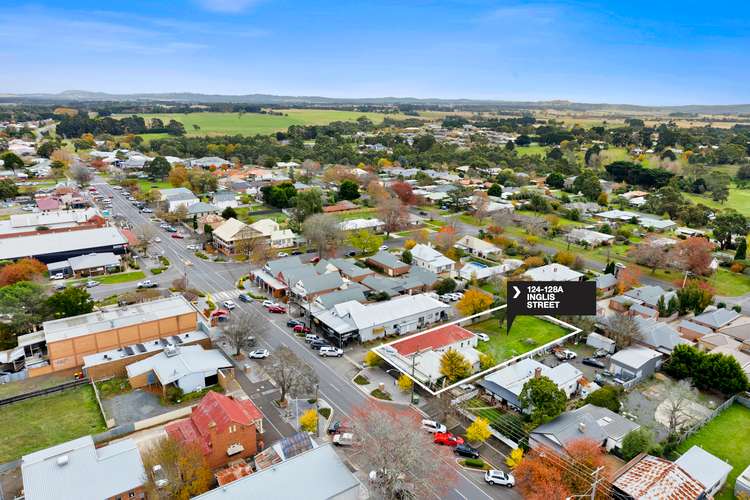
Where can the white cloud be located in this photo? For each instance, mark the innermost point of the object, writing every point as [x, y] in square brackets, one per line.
[227, 6]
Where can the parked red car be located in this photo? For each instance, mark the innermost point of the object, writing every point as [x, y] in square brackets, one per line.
[448, 439]
[301, 329]
[277, 310]
[177, 236]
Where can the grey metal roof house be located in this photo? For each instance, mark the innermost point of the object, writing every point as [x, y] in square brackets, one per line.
[54, 247]
[202, 208]
[716, 319]
[658, 335]
[105, 262]
[600, 424]
[709, 470]
[634, 363]
[388, 263]
[77, 469]
[316, 474]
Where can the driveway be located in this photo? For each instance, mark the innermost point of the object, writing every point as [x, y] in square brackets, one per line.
[133, 406]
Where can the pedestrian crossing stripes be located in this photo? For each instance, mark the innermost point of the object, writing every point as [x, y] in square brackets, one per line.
[226, 294]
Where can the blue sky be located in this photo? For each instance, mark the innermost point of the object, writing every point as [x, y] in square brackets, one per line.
[657, 52]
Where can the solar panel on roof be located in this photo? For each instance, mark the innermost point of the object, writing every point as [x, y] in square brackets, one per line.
[141, 347]
[176, 339]
[294, 445]
[128, 350]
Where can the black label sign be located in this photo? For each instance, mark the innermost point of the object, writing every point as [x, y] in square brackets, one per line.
[541, 298]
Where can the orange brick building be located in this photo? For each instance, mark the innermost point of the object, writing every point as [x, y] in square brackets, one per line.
[63, 343]
[222, 427]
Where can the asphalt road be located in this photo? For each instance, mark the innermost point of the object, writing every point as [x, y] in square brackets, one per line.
[219, 280]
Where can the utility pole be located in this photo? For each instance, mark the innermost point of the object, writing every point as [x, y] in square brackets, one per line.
[413, 362]
[596, 482]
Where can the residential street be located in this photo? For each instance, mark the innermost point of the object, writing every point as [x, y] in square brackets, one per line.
[219, 279]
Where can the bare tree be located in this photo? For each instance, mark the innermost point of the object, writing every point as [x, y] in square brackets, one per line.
[623, 329]
[292, 375]
[242, 329]
[650, 254]
[260, 251]
[81, 174]
[502, 218]
[393, 214]
[145, 233]
[481, 204]
[401, 454]
[676, 405]
[323, 232]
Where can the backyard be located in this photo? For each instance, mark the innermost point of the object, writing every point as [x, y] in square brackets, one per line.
[725, 437]
[527, 333]
[45, 421]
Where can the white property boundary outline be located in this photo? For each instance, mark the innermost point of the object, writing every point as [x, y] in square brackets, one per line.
[575, 331]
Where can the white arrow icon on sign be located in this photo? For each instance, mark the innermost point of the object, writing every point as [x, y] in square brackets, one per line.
[518, 292]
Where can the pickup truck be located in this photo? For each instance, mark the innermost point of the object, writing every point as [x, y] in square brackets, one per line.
[343, 439]
[147, 284]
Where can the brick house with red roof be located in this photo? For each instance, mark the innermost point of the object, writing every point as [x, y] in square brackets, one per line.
[222, 427]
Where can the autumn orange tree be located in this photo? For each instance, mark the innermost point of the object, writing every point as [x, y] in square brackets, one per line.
[628, 278]
[23, 270]
[473, 302]
[693, 254]
[446, 238]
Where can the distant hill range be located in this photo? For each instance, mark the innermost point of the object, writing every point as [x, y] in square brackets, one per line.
[73, 96]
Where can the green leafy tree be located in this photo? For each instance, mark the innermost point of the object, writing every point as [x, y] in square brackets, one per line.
[606, 397]
[555, 180]
[25, 304]
[637, 441]
[495, 190]
[406, 257]
[158, 168]
[11, 161]
[542, 399]
[741, 253]
[229, 213]
[588, 184]
[348, 190]
[307, 203]
[8, 189]
[707, 371]
[454, 366]
[365, 241]
[445, 285]
[486, 361]
[728, 224]
[70, 302]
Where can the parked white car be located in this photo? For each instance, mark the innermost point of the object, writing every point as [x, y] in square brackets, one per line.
[482, 336]
[384, 248]
[269, 303]
[229, 304]
[57, 276]
[432, 427]
[498, 477]
[331, 352]
[258, 354]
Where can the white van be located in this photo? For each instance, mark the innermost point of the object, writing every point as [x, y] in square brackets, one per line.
[331, 352]
[432, 426]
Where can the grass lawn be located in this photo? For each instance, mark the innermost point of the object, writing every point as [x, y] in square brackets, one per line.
[45, 421]
[504, 346]
[216, 123]
[112, 279]
[34, 384]
[533, 149]
[739, 199]
[724, 437]
[145, 185]
[360, 213]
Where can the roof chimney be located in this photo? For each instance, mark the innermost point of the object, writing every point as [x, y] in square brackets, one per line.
[582, 427]
[62, 460]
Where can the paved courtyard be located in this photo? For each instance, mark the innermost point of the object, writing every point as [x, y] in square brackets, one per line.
[133, 406]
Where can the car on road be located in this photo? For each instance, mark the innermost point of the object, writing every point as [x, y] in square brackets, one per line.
[282, 254]
[297, 252]
[565, 354]
[147, 210]
[269, 303]
[447, 439]
[317, 344]
[291, 323]
[339, 426]
[194, 247]
[170, 229]
[59, 286]
[593, 362]
[331, 352]
[343, 439]
[177, 236]
[92, 284]
[301, 329]
[147, 284]
[57, 276]
[157, 240]
[466, 450]
[483, 336]
[384, 248]
[277, 310]
[500, 478]
[258, 354]
[351, 253]
[244, 297]
[432, 426]
[229, 304]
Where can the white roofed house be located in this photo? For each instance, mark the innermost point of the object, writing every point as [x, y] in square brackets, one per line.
[209, 161]
[374, 225]
[265, 226]
[225, 199]
[283, 238]
[553, 272]
[175, 197]
[587, 237]
[398, 316]
[478, 247]
[430, 259]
